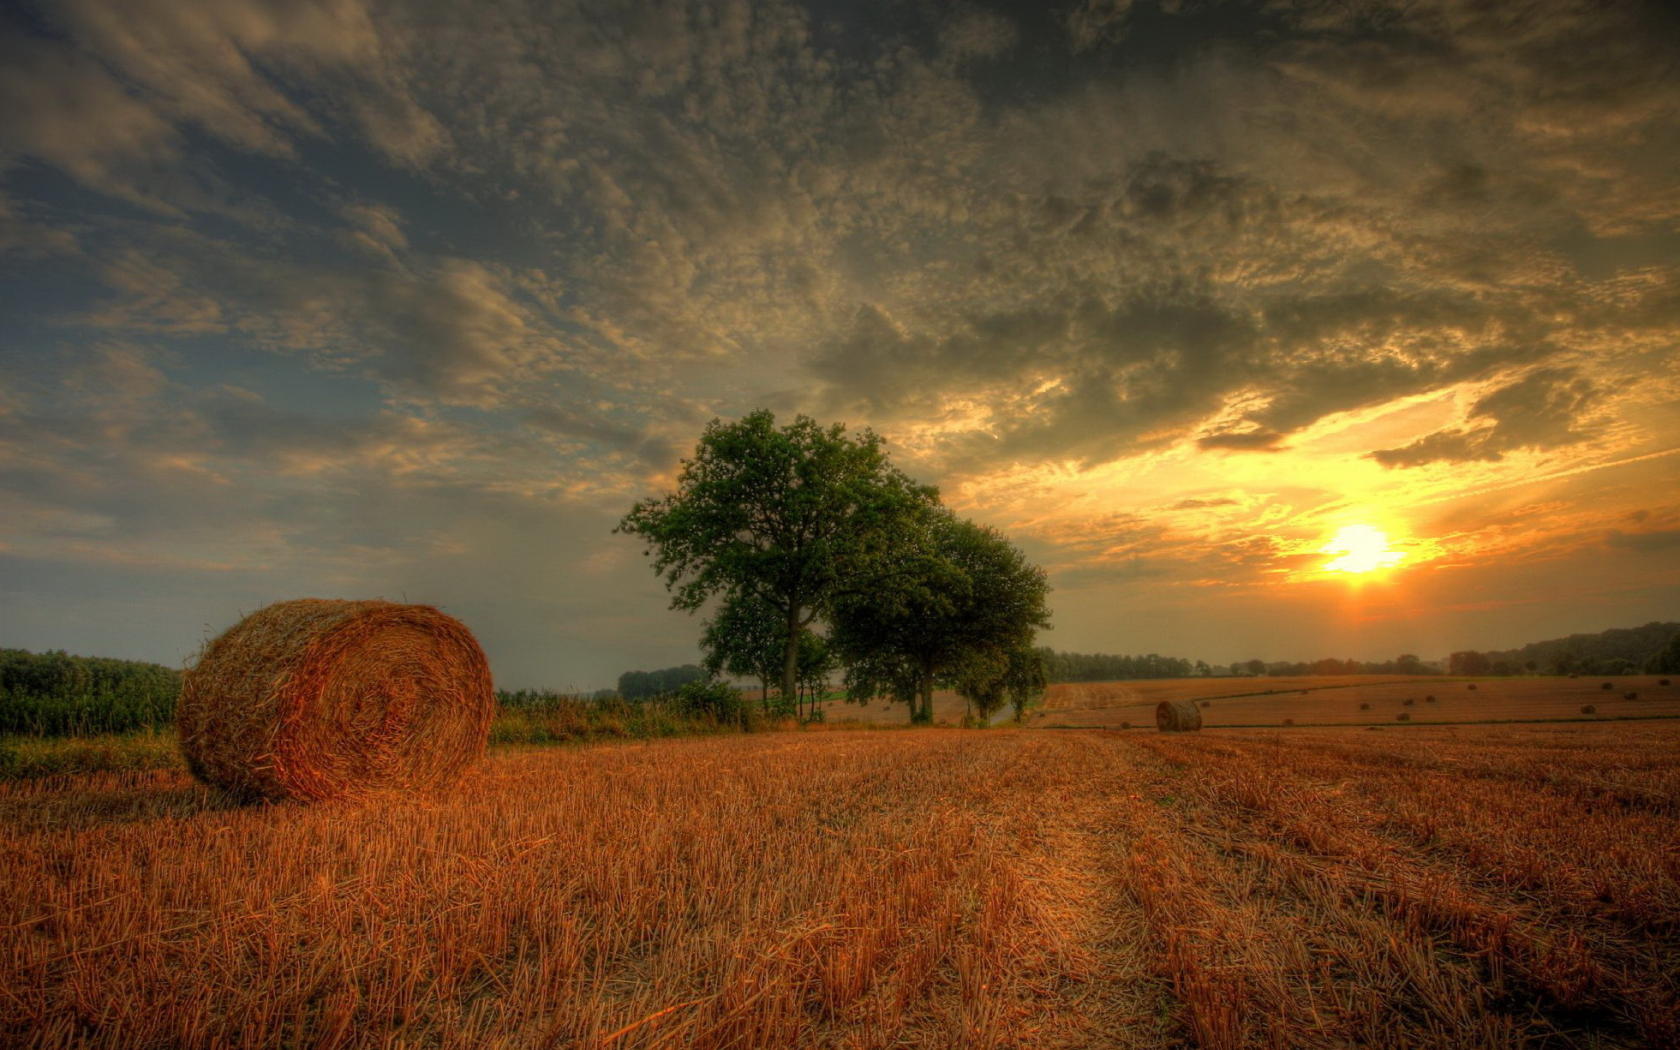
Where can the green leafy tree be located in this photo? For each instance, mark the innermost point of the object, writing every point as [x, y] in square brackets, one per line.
[1025, 679]
[979, 681]
[816, 664]
[793, 517]
[1667, 659]
[964, 597]
[1469, 662]
[1015, 676]
[746, 638]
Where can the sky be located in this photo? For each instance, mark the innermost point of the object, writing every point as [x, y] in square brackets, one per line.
[414, 298]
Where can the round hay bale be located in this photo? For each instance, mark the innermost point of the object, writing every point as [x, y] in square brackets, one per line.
[1589, 710]
[1403, 717]
[314, 699]
[1177, 716]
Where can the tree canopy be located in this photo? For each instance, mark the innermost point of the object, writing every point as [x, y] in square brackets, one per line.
[790, 517]
[963, 598]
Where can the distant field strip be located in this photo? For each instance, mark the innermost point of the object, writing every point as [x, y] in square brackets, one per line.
[1475, 887]
[1362, 700]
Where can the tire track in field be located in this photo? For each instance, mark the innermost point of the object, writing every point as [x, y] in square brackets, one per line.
[1634, 778]
[1569, 975]
[1591, 861]
[1260, 952]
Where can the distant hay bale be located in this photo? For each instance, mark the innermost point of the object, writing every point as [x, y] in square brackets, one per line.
[1472, 686]
[1430, 699]
[1364, 707]
[1408, 702]
[1288, 721]
[1589, 710]
[1630, 696]
[1403, 717]
[1608, 685]
[1125, 725]
[1663, 682]
[1207, 703]
[314, 699]
[1177, 716]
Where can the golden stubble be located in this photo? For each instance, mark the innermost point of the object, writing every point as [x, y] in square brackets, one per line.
[1487, 887]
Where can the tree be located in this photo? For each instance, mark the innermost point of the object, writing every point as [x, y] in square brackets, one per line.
[1667, 659]
[979, 680]
[1468, 662]
[639, 685]
[745, 638]
[963, 598]
[816, 663]
[791, 517]
[1025, 679]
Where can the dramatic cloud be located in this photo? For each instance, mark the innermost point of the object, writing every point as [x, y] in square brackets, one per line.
[1540, 411]
[361, 294]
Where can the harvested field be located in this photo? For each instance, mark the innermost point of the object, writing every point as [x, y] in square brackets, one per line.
[1336, 700]
[948, 709]
[1509, 886]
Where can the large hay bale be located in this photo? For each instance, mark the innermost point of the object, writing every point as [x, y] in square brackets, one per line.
[1177, 716]
[314, 699]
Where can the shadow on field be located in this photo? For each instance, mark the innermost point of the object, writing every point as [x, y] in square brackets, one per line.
[88, 800]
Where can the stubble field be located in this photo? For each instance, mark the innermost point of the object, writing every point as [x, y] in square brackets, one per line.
[1469, 886]
[1363, 700]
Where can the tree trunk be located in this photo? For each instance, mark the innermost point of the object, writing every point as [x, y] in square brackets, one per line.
[790, 658]
[922, 713]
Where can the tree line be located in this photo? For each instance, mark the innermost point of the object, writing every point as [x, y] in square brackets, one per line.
[1104, 667]
[56, 694]
[1406, 663]
[1653, 648]
[641, 685]
[815, 556]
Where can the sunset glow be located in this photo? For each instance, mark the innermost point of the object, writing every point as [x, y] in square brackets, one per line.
[1360, 549]
[1225, 313]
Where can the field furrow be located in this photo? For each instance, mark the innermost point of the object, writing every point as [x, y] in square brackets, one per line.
[859, 889]
[1580, 970]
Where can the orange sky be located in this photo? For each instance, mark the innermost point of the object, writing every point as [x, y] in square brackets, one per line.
[413, 300]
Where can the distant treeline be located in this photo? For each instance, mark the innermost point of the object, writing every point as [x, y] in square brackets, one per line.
[542, 716]
[640, 685]
[1406, 663]
[1105, 667]
[1620, 650]
[56, 694]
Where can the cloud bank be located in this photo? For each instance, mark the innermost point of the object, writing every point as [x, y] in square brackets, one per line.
[303, 290]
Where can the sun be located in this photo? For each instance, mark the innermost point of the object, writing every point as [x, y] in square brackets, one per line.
[1362, 548]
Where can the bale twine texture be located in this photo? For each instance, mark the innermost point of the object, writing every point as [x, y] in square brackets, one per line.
[1177, 716]
[314, 699]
